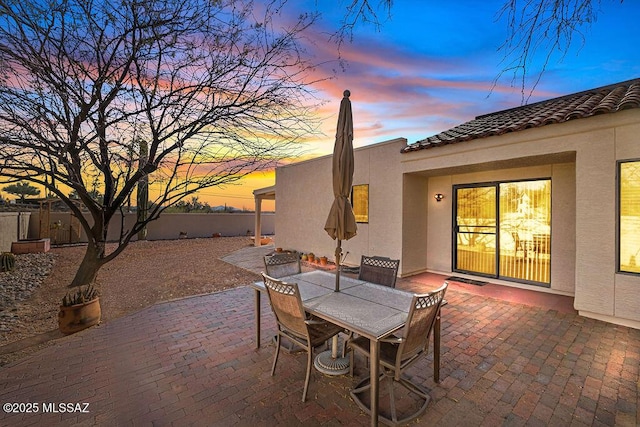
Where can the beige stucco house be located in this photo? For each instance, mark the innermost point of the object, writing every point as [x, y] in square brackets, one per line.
[544, 196]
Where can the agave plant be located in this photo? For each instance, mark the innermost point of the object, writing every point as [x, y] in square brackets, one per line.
[80, 296]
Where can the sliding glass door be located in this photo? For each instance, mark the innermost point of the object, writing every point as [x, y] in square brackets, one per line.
[475, 230]
[503, 230]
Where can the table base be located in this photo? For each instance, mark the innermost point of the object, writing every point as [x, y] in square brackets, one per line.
[329, 365]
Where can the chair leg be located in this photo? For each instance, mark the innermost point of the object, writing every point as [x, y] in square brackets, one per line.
[275, 358]
[306, 380]
[392, 400]
[364, 386]
[352, 360]
[344, 346]
[291, 348]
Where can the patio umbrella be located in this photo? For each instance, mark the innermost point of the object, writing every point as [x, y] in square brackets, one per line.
[341, 223]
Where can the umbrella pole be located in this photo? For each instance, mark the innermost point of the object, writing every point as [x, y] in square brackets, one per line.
[334, 344]
[338, 255]
[328, 361]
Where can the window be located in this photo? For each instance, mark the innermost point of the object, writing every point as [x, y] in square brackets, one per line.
[629, 217]
[360, 202]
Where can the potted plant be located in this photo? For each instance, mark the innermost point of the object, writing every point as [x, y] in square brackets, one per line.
[79, 310]
[323, 260]
[310, 256]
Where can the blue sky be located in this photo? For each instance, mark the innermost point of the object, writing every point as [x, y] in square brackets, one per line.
[432, 66]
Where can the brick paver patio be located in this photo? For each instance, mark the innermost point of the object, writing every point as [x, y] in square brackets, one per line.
[193, 362]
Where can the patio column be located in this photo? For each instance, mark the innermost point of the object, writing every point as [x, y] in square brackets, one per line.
[268, 193]
[258, 224]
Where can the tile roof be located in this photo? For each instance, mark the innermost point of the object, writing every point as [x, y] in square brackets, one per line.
[607, 99]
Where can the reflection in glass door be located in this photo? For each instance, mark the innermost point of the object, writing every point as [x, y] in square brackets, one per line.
[525, 230]
[475, 230]
[503, 230]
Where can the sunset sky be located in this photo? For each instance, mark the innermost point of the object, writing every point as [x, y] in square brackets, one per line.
[431, 66]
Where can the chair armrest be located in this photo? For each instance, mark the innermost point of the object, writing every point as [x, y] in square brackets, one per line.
[392, 339]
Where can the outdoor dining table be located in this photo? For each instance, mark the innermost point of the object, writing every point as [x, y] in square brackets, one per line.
[367, 309]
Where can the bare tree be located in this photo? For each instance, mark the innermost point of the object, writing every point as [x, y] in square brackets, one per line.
[540, 29]
[361, 11]
[534, 28]
[216, 88]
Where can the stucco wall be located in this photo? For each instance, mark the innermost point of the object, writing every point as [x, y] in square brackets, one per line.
[8, 230]
[13, 227]
[563, 241]
[405, 221]
[304, 196]
[627, 287]
[169, 225]
[583, 200]
[415, 224]
[437, 248]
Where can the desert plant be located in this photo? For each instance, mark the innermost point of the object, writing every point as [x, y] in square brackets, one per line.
[21, 189]
[7, 261]
[80, 296]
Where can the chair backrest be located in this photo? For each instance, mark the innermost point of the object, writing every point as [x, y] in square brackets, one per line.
[541, 243]
[282, 264]
[286, 305]
[422, 316]
[380, 270]
[516, 239]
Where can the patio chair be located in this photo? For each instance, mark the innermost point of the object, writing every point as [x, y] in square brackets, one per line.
[519, 244]
[380, 270]
[397, 353]
[282, 264]
[294, 324]
[540, 244]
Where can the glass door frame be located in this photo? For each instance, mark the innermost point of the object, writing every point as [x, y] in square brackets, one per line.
[499, 250]
[456, 226]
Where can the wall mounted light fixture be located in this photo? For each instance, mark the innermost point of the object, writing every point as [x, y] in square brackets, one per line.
[438, 197]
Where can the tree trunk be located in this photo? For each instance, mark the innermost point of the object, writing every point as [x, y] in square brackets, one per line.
[89, 267]
[142, 205]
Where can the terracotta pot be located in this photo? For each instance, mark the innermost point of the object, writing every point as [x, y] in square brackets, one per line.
[77, 317]
[310, 257]
[323, 260]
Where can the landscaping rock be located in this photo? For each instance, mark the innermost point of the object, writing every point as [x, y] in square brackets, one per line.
[18, 285]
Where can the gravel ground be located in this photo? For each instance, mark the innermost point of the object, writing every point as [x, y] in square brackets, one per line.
[18, 284]
[146, 272]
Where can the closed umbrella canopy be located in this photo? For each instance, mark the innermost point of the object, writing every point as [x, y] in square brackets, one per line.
[341, 223]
